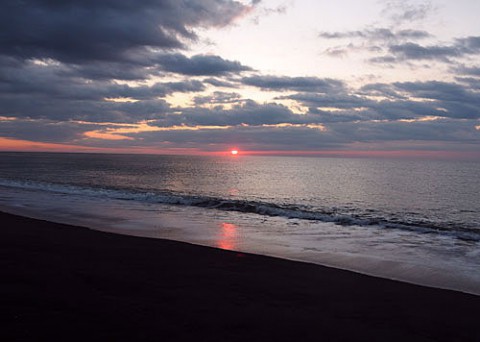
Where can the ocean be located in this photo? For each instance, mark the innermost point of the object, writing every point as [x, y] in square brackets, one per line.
[411, 220]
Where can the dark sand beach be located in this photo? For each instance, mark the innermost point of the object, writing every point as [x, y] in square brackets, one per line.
[64, 283]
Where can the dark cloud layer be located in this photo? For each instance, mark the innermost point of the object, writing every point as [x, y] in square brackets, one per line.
[246, 112]
[412, 51]
[465, 70]
[123, 39]
[82, 31]
[52, 92]
[205, 65]
[61, 59]
[63, 67]
[409, 51]
[441, 134]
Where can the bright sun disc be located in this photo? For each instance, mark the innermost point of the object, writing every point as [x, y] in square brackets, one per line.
[234, 152]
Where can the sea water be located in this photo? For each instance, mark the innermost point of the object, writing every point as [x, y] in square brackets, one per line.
[410, 220]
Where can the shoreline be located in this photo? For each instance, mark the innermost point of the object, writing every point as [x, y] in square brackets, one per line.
[67, 282]
[178, 227]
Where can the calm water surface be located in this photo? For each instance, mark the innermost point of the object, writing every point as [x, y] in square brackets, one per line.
[337, 211]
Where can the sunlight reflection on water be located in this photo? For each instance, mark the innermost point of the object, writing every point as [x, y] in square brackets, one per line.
[227, 236]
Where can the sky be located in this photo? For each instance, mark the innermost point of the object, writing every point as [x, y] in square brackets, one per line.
[300, 77]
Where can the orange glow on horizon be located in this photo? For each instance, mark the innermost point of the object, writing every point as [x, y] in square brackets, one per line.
[9, 144]
[234, 152]
[98, 134]
[18, 145]
[440, 154]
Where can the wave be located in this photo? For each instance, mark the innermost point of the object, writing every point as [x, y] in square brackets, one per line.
[300, 212]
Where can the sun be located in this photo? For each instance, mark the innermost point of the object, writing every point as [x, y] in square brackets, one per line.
[234, 152]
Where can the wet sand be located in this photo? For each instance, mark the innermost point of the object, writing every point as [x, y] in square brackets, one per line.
[65, 283]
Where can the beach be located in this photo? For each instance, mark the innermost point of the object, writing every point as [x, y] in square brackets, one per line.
[62, 282]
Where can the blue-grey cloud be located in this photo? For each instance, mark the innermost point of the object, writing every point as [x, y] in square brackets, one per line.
[467, 70]
[377, 34]
[114, 40]
[51, 92]
[440, 134]
[455, 100]
[200, 65]
[412, 51]
[57, 81]
[469, 44]
[224, 83]
[391, 46]
[244, 112]
[305, 84]
[58, 70]
[472, 82]
[218, 98]
[449, 130]
[249, 138]
[253, 126]
[342, 100]
[396, 101]
[409, 51]
[407, 11]
[77, 31]
[47, 131]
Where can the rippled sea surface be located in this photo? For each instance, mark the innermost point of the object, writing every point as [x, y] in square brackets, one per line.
[337, 211]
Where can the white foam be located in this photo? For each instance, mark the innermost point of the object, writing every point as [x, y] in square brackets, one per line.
[427, 259]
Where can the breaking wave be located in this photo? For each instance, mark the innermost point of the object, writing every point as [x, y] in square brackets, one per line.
[300, 212]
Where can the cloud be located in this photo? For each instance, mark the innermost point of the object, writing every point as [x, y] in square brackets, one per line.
[43, 130]
[83, 72]
[106, 70]
[59, 81]
[220, 82]
[437, 134]
[142, 67]
[407, 11]
[432, 98]
[270, 126]
[243, 112]
[54, 92]
[377, 34]
[307, 84]
[449, 130]
[378, 41]
[264, 11]
[412, 51]
[472, 82]
[467, 70]
[200, 65]
[79, 32]
[396, 101]
[341, 100]
[218, 97]
[400, 41]
[62, 60]
[400, 46]
[469, 45]
[456, 101]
